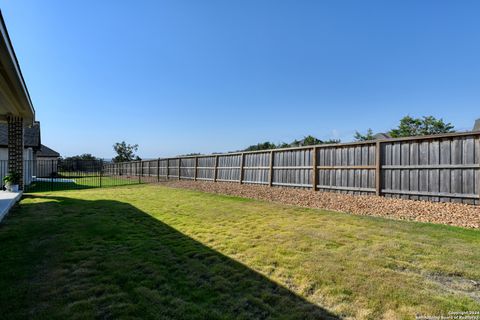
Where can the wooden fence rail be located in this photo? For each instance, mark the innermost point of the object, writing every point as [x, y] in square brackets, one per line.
[435, 168]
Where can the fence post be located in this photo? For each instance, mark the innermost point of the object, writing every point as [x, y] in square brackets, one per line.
[148, 171]
[195, 173]
[168, 167]
[315, 170]
[51, 177]
[215, 170]
[270, 172]
[179, 167]
[478, 179]
[158, 170]
[139, 171]
[101, 172]
[378, 168]
[242, 159]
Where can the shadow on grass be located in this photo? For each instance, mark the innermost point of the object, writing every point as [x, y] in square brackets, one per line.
[35, 187]
[71, 258]
[82, 183]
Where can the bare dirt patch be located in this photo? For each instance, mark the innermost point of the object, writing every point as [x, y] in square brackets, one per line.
[455, 214]
[456, 285]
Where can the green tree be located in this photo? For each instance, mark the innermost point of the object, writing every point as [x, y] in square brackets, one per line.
[409, 127]
[125, 152]
[283, 145]
[190, 154]
[331, 141]
[82, 162]
[364, 137]
[295, 143]
[84, 156]
[261, 146]
[306, 141]
[310, 141]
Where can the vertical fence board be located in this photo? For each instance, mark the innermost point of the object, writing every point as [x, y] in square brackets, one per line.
[477, 161]
[405, 174]
[434, 174]
[445, 158]
[468, 174]
[423, 174]
[414, 173]
[379, 175]
[315, 161]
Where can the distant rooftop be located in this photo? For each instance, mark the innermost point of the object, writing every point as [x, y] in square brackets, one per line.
[31, 136]
[47, 152]
[476, 127]
[381, 135]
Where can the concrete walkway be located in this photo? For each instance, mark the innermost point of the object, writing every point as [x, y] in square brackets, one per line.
[7, 200]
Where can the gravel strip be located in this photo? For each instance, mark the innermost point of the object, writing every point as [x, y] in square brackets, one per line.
[456, 214]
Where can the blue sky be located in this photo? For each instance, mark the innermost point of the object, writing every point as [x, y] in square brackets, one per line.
[211, 76]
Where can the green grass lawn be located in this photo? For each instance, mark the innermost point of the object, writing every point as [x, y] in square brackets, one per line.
[148, 251]
[81, 182]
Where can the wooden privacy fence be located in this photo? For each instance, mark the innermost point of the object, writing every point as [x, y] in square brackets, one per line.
[435, 168]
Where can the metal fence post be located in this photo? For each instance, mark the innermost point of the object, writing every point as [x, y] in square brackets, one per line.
[101, 172]
[51, 177]
[158, 170]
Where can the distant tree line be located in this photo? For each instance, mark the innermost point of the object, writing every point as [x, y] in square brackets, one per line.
[408, 127]
[306, 141]
[190, 154]
[85, 162]
[88, 162]
[85, 156]
[411, 127]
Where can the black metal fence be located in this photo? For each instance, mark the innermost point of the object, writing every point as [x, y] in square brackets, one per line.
[52, 175]
[3, 170]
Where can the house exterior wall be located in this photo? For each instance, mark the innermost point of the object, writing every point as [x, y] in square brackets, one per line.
[28, 170]
[46, 166]
[28, 166]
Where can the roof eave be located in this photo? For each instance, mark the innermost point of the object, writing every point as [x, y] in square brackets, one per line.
[23, 106]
